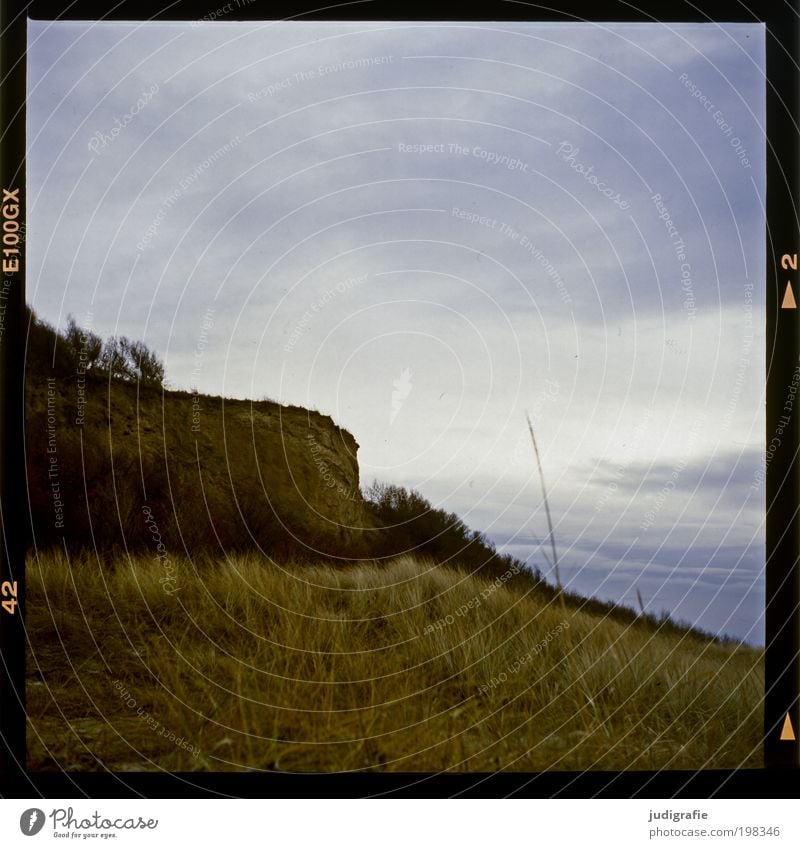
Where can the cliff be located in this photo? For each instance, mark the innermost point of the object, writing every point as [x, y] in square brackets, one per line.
[111, 463]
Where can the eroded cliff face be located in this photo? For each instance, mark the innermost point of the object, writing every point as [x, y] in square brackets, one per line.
[211, 473]
[307, 468]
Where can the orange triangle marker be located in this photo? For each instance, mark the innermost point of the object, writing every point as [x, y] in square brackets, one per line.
[788, 298]
[787, 734]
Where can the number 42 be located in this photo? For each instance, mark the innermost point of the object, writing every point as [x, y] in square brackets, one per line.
[9, 590]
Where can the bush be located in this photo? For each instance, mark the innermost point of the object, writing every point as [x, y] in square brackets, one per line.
[408, 522]
[131, 361]
[49, 352]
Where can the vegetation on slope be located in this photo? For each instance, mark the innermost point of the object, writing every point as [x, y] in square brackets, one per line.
[80, 351]
[404, 666]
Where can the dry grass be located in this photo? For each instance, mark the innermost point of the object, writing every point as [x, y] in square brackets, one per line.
[326, 669]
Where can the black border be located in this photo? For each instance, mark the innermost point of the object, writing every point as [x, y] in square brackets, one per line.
[12, 553]
[779, 778]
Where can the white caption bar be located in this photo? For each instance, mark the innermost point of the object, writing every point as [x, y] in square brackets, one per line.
[398, 823]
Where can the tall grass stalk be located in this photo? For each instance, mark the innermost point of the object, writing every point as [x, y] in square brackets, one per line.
[546, 503]
[575, 677]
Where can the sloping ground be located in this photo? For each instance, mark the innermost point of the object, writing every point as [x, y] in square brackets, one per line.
[405, 666]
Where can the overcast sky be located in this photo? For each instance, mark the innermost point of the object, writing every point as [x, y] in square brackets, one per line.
[426, 230]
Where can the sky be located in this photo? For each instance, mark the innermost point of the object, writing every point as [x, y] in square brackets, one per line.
[430, 231]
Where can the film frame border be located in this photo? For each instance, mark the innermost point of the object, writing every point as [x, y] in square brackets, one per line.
[782, 613]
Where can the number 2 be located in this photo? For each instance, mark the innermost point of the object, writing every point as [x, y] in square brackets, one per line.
[789, 261]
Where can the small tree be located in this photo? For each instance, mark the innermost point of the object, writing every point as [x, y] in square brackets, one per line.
[84, 346]
[114, 359]
[146, 364]
[132, 361]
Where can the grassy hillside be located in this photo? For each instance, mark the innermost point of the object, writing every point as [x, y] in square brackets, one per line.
[153, 664]
[429, 651]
